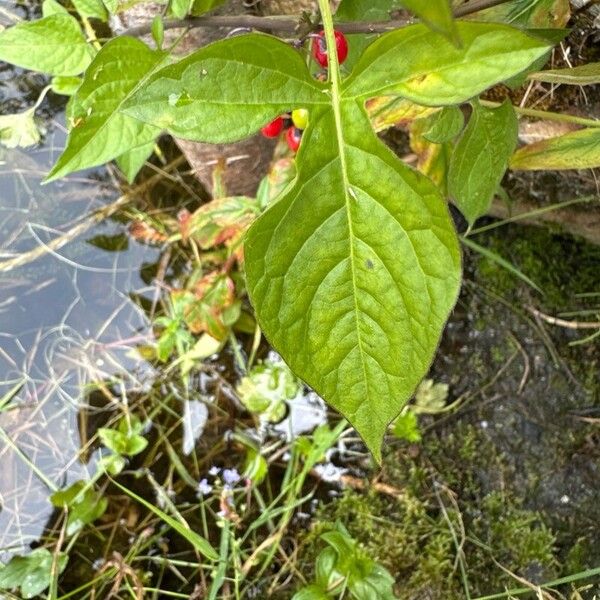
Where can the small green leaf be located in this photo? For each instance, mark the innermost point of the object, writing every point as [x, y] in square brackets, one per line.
[429, 70]
[311, 592]
[180, 8]
[444, 125]
[325, 568]
[576, 150]
[436, 14]
[87, 509]
[135, 445]
[52, 7]
[32, 573]
[132, 161]
[66, 497]
[481, 157]
[227, 90]
[100, 131]
[158, 31]
[67, 86]
[94, 9]
[588, 74]
[406, 427]
[114, 440]
[53, 45]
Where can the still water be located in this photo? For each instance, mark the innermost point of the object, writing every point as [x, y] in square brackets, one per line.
[69, 316]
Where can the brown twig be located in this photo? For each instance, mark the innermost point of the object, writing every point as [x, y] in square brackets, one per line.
[293, 25]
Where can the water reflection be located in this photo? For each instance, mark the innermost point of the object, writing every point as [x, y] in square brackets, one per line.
[67, 319]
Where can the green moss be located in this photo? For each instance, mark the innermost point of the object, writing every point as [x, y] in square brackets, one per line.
[562, 266]
[411, 536]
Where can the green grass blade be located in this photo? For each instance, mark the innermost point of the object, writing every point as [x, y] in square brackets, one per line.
[500, 261]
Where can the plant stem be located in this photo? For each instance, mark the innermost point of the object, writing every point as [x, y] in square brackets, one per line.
[293, 25]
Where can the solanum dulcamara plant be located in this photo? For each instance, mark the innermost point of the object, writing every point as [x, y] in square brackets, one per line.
[354, 269]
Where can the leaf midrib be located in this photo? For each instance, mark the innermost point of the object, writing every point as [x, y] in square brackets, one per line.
[339, 132]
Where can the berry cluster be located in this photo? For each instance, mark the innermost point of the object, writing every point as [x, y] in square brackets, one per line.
[296, 123]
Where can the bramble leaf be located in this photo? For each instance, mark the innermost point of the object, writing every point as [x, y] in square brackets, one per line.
[100, 132]
[480, 158]
[426, 68]
[53, 44]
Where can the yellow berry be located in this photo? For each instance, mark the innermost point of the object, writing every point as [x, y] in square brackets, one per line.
[300, 118]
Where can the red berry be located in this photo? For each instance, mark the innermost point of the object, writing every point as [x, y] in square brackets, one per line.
[293, 138]
[273, 129]
[319, 48]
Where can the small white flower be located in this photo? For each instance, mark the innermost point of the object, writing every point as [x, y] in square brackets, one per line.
[204, 488]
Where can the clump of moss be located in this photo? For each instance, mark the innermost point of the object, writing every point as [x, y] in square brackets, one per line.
[413, 535]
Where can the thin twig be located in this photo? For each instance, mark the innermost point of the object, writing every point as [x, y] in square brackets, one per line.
[562, 322]
[292, 24]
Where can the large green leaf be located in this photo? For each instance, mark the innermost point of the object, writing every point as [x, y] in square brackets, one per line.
[53, 45]
[480, 158]
[353, 272]
[576, 150]
[426, 68]
[100, 132]
[228, 90]
[437, 14]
